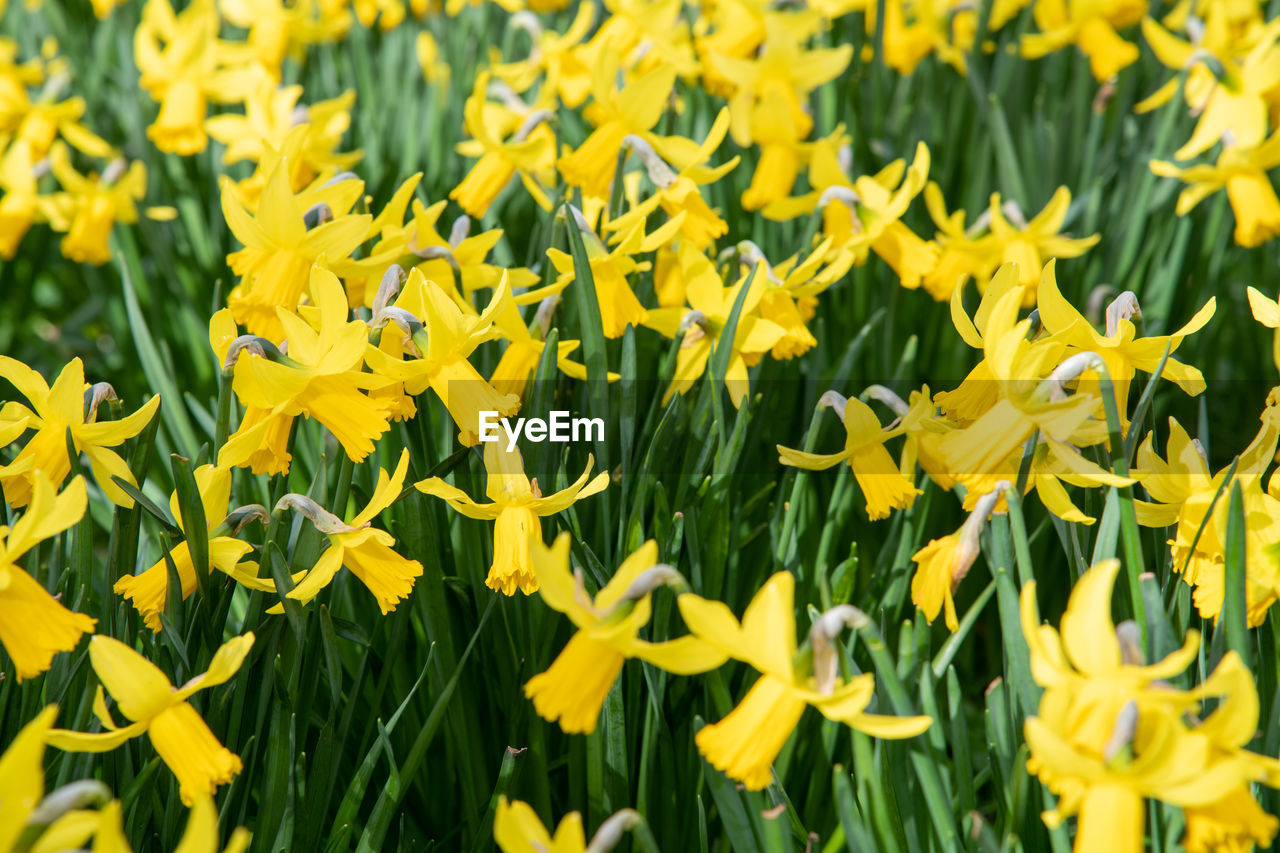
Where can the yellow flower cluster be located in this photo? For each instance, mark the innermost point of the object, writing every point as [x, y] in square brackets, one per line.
[1049, 392]
[39, 128]
[745, 743]
[1111, 730]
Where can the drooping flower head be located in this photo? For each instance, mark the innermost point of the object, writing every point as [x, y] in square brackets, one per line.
[145, 696]
[573, 689]
[745, 743]
[517, 504]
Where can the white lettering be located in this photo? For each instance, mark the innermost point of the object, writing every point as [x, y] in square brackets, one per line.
[488, 426]
[513, 435]
[590, 426]
[559, 427]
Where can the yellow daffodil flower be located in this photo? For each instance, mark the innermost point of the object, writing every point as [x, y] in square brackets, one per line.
[519, 360]
[791, 293]
[44, 121]
[531, 149]
[34, 625]
[1026, 244]
[1242, 171]
[745, 743]
[181, 62]
[1120, 349]
[913, 29]
[739, 27]
[435, 70]
[270, 115]
[1089, 658]
[1089, 24]
[865, 214]
[783, 151]
[619, 306]
[979, 391]
[1029, 397]
[556, 57]
[148, 590]
[279, 249]
[573, 689]
[90, 205]
[677, 188]
[924, 429]
[442, 338]
[144, 695]
[1233, 101]
[710, 304]
[962, 251]
[944, 562]
[277, 29]
[1052, 464]
[644, 35]
[1183, 491]
[783, 68]
[319, 378]
[366, 551]
[883, 485]
[516, 504]
[1111, 731]
[460, 260]
[69, 407]
[632, 111]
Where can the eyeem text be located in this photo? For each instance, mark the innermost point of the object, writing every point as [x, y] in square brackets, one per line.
[559, 427]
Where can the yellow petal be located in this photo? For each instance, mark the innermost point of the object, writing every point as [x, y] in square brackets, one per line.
[226, 663]
[105, 464]
[637, 562]
[46, 515]
[810, 461]
[387, 490]
[712, 621]
[22, 776]
[517, 829]
[555, 582]
[320, 575]
[890, 728]
[69, 741]
[1265, 311]
[563, 499]
[458, 499]
[686, 655]
[769, 627]
[1087, 630]
[138, 686]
